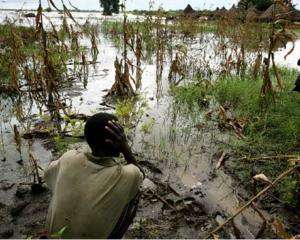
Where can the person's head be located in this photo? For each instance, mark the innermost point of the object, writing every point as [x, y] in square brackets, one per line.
[96, 134]
[298, 62]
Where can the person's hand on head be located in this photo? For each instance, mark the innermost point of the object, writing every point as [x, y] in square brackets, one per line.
[119, 140]
[118, 137]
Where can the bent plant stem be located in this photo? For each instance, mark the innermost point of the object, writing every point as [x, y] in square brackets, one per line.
[138, 53]
[18, 142]
[33, 162]
[277, 75]
[122, 86]
[2, 142]
[276, 181]
[50, 75]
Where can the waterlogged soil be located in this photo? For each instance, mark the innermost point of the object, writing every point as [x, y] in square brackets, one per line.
[183, 196]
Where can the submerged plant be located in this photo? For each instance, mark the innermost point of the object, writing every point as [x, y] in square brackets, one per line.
[17, 138]
[122, 86]
[34, 165]
[278, 37]
[147, 126]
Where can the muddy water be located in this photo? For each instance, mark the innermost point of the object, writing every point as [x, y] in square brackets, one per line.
[188, 158]
[186, 155]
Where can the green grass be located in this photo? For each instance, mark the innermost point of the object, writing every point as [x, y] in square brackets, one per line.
[129, 111]
[149, 29]
[191, 27]
[275, 128]
[113, 30]
[191, 97]
[272, 129]
[297, 32]
[20, 45]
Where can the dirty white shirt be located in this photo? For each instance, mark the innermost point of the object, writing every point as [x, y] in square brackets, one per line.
[89, 194]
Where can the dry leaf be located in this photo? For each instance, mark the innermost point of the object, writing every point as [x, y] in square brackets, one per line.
[221, 160]
[209, 114]
[296, 237]
[279, 229]
[200, 126]
[215, 236]
[262, 178]
[222, 113]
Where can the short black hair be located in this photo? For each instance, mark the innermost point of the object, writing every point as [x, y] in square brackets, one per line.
[298, 62]
[96, 134]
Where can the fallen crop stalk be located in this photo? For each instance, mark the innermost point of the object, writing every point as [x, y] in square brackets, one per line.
[269, 157]
[277, 180]
[163, 200]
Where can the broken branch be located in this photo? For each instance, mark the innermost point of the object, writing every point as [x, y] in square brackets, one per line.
[277, 180]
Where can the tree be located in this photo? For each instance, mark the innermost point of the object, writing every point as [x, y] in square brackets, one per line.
[110, 6]
[115, 6]
[261, 5]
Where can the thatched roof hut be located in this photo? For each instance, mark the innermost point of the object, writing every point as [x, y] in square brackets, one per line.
[274, 11]
[253, 15]
[189, 10]
[295, 14]
[235, 12]
[220, 12]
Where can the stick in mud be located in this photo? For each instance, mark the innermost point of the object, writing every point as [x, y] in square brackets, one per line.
[277, 180]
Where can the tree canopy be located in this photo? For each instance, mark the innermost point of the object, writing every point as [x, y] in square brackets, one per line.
[261, 5]
[110, 6]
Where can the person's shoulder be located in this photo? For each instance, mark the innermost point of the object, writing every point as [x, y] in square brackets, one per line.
[71, 155]
[131, 170]
[67, 155]
[133, 178]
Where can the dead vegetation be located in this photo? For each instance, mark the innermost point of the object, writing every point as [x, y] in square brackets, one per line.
[34, 65]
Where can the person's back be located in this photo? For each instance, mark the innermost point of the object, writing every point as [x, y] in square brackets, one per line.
[90, 193]
[297, 83]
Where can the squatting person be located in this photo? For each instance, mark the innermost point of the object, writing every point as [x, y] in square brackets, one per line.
[93, 195]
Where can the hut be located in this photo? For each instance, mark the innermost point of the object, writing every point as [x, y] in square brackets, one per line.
[295, 14]
[274, 11]
[220, 12]
[189, 10]
[253, 15]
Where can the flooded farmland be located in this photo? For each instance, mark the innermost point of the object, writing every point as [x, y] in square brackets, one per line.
[178, 144]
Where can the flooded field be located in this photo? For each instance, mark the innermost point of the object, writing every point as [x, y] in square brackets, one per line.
[178, 151]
